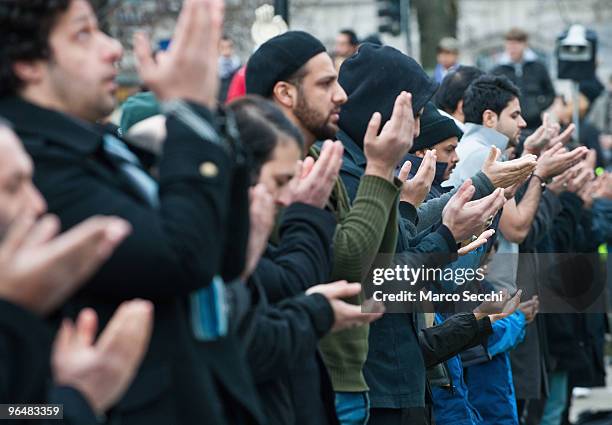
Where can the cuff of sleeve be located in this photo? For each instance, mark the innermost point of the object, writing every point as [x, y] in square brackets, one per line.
[448, 238]
[408, 211]
[323, 318]
[76, 408]
[379, 187]
[484, 328]
[16, 318]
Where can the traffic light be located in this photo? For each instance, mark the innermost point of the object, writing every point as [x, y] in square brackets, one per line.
[389, 17]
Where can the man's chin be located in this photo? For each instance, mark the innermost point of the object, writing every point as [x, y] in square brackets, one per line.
[327, 132]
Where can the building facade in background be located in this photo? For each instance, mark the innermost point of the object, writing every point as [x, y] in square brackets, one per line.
[481, 24]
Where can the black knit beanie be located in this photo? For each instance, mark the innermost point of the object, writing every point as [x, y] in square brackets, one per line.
[372, 79]
[278, 58]
[435, 128]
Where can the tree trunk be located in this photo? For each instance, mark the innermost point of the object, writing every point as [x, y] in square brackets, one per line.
[437, 19]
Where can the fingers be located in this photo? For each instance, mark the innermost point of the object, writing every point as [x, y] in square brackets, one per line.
[482, 240]
[408, 116]
[65, 336]
[86, 327]
[350, 316]
[405, 171]
[553, 150]
[493, 156]
[16, 235]
[514, 302]
[306, 166]
[45, 229]
[128, 332]
[399, 116]
[91, 241]
[343, 289]
[489, 204]
[145, 63]
[373, 127]
[429, 162]
[186, 25]
[464, 194]
[566, 136]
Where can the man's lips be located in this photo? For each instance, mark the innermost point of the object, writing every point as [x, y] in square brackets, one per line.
[111, 81]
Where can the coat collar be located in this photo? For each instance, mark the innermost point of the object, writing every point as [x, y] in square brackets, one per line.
[486, 135]
[32, 120]
[351, 149]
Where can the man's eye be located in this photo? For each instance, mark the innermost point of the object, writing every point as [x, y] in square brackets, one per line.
[83, 35]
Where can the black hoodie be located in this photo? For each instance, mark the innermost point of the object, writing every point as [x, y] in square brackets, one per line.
[372, 79]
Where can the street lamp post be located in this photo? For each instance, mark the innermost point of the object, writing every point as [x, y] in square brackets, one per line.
[281, 7]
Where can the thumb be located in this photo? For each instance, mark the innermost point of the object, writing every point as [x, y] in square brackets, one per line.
[344, 290]
[307, 165]
[144, 54]
[372, 130]
[493, 155]
[405, 171]
[87, 326]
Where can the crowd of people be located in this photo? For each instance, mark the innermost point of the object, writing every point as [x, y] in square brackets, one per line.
[206, 263]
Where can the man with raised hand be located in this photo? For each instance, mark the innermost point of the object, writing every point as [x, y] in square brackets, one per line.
[295, 71]
[38, 271]
[58, 81]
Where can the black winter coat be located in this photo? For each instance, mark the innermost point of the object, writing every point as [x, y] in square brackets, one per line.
[171, 252]
[537, 90]
[282, 345]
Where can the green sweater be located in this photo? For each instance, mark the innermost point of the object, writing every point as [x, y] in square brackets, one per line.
[365, 229]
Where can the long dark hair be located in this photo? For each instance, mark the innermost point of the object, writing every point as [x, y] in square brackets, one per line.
[261, 125]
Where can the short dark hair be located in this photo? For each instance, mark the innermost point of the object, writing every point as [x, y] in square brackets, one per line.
[261, 124]
[351, 35]
[298, 76]
[25, 26]
[453, 87]
[492, 92]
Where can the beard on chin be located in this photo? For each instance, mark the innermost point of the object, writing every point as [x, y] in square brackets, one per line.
[316, 123]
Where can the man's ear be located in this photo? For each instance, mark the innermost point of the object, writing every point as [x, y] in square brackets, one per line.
[30, 72]
[285, 94]
[459, 110]
[420, 153]
[489, 119]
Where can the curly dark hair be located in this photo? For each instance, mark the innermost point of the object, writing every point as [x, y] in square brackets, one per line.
[24, 30]
[492, 92]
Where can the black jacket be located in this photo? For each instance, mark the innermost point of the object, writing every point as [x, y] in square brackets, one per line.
[25, 356]
[171, 252]
[537, 90]
[283, 338]
[303, 255]
[282, 347]
[457, 333]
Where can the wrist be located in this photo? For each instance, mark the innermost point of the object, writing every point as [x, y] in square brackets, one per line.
[543, 182]
[479, 315]
[379, 170]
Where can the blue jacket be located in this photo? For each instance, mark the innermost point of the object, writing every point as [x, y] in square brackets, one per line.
[491, 390]
[451, 404]
[490, 384]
